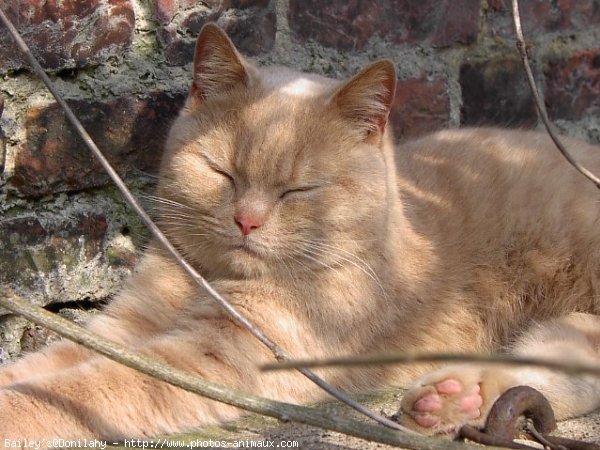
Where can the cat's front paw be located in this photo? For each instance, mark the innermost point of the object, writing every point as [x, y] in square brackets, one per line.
[443, 401]
[442, 407]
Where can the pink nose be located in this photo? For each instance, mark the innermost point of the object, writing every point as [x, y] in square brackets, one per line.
[247, 223]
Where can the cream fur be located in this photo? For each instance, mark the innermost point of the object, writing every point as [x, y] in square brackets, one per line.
[466, 240]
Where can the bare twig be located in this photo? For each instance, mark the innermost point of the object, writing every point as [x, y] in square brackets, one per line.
[214, 391]
[277, 351]
[414, 358]
[475, 435]
[532, 430]
[523, 51]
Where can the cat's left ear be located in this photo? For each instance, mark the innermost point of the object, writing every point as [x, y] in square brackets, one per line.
[218, 67]
[366, 99]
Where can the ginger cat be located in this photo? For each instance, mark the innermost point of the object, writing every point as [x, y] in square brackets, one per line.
[285, 191]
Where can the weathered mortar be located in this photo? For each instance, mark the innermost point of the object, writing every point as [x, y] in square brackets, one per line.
[64, 233]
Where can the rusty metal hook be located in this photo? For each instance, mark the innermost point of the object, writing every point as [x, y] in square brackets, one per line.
[505, 418]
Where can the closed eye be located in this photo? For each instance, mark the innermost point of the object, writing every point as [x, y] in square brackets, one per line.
[216, 168]
[223, 174]
[298, 190]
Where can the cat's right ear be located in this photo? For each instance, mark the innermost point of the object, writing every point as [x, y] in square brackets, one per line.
[366, 99]
[218, 67]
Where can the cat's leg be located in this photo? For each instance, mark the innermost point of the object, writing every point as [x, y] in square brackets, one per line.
[103, 399]
[147, 306]
[64, 354]
[56, 356]
[573, 338]
[445, 400]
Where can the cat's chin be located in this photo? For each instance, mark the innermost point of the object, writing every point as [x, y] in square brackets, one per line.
[233, 259]
[248, 267]
[246, 261]
[246, 250]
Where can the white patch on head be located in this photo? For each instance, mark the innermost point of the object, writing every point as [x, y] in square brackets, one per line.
[301, 87]
[289, 82]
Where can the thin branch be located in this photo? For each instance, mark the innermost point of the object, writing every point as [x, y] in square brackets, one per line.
[523, 51]
[277, 351]
[572, 368]
[214, 391]
[473, 434]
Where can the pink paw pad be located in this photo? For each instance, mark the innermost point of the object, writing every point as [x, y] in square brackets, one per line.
[427, 420]
[470, 403]
[428, 403]
[449, 387]
[450, 402]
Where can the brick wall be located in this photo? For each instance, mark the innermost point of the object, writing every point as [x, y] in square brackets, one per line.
[124, 66]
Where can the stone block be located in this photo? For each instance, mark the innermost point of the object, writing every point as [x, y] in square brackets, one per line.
[12, 328]
[130, 131]
[421, 105]
[348, 25]
[572, 86]
[543, 16]
[61, 257]
[2, 139]
[67, 34]
[495, 92]
[251, 24]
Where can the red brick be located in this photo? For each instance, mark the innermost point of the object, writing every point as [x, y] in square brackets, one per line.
[349, 24]
[251, 24]
[421, 105]
[495, 92]
[543, 16]
[164, 10]
[497, 5]
[68, 34]
[572, 86]
[243, 4]
[130, 131]
[457, 24]
[30, 231]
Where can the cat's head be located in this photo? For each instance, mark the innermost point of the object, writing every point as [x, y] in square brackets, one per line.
[274, 171]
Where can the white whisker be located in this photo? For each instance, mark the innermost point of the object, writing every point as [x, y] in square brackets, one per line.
[340, 255]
